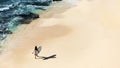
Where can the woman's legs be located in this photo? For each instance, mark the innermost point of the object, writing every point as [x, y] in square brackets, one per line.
[36, 54]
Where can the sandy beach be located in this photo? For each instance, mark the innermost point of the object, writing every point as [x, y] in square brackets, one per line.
[86, 35]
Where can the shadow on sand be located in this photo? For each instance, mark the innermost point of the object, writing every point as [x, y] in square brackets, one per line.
[47, 57]
[49, 32]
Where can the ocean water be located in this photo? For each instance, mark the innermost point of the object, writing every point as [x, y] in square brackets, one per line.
[16, 12]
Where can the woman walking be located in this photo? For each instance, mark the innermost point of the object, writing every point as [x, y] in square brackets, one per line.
[36, 51]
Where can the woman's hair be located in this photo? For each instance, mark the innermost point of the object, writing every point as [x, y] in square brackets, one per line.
[36, 48]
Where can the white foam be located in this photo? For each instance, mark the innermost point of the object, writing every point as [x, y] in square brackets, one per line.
[2, 9]
[72, 2]
[7, 7]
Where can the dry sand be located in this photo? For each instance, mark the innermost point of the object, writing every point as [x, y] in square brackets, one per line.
[84, 36]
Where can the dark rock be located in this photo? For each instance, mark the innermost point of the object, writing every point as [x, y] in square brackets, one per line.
[57, 0]
[29, 15]
[39, 3]
[4, 29]
[6, 32]
[27, 18]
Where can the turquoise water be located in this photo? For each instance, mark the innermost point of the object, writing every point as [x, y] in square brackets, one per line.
[16, 12]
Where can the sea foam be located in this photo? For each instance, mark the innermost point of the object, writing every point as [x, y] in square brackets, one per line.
[72, 2]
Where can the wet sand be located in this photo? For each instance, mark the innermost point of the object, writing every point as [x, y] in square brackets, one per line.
[84, 36]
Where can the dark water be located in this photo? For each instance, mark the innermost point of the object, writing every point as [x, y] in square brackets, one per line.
[16, 12]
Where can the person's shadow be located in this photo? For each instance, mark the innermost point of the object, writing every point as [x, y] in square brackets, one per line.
[48, 57]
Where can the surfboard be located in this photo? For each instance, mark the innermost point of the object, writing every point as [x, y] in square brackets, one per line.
[39, 49]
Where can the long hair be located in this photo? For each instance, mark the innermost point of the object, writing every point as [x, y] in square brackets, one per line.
[36, 48]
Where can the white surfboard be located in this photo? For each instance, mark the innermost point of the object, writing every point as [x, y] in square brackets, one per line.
[39, 49]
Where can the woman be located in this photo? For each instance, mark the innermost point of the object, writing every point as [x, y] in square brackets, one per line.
[36, 51]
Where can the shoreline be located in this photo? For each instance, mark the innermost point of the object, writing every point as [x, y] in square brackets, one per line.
[18, 13]
[44, 15]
